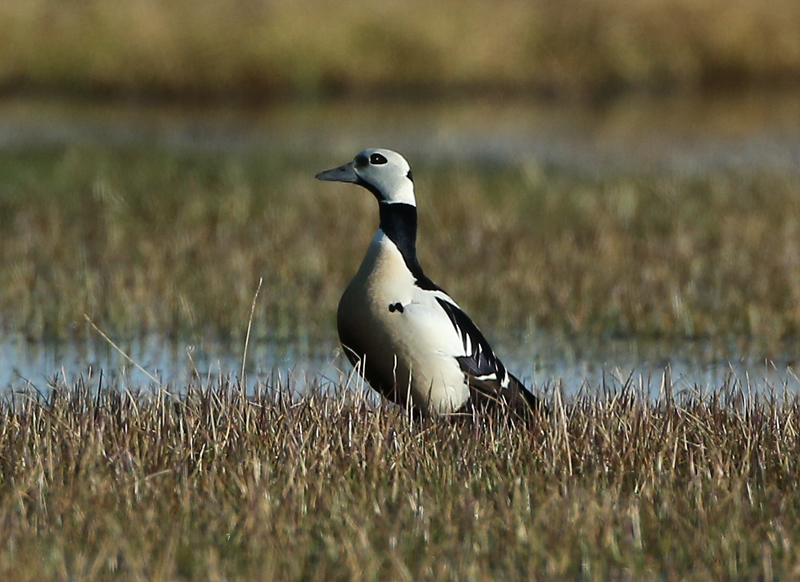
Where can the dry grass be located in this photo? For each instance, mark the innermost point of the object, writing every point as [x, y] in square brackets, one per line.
[102, 484]
[176, 243]
[243, 48]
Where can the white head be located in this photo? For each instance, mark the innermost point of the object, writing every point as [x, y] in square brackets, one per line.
[383, 172]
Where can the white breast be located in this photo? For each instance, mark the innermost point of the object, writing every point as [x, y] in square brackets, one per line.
[416, 345]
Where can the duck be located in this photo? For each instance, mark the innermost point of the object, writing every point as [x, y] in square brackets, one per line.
[404, 334]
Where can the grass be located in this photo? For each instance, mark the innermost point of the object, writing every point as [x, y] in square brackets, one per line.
[172, 243]
[242, 49]
[105, 483]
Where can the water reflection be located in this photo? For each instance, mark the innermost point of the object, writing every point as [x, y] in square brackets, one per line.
[540, 360]
[678, 135]
[138, 362]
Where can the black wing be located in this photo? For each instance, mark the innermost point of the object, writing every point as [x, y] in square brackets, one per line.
[479, 360]
[488, 378]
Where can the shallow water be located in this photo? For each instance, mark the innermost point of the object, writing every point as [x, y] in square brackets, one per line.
[541, 361]
[686, 136]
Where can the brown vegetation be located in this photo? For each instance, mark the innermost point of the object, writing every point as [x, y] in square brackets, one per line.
[208, 485]
[242, 48]
[175, 244]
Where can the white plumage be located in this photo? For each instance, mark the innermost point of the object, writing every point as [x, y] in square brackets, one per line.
[404, 334]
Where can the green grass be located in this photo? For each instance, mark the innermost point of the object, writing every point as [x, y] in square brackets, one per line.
[206, 485]
[241, 49]
[158, 241]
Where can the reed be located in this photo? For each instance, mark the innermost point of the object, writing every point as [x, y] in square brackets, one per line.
[103, 482]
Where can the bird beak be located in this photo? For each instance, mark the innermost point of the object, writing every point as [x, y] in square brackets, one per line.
[346, 173]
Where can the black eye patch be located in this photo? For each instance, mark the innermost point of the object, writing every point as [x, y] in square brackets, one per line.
[377, 159]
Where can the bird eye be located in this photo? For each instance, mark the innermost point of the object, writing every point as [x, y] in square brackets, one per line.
[377, 159]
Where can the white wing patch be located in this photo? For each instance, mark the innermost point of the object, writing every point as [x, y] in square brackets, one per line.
[479, 360]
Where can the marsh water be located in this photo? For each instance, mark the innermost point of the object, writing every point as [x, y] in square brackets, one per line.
[758, 132]
[672, 136]
[543, 361]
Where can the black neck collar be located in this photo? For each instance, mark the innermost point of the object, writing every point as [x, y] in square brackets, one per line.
[399, 223]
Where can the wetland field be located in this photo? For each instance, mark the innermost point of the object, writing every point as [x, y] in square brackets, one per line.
[245, 50]
[585, 241]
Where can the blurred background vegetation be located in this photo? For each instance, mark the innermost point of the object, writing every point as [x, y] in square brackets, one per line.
[254, 49]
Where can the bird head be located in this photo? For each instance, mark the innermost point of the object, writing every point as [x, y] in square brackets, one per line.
[383, 172]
